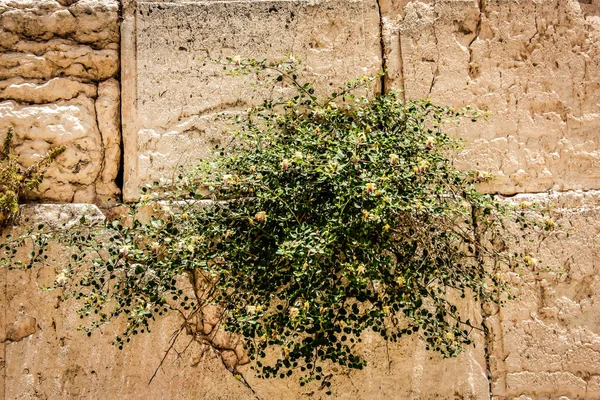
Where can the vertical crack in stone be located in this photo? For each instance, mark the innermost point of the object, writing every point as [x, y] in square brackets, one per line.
[401, 65]
[4, 296]
[119, 181]
[128, 74]
[382, 45]
[437, 47]
[488, 340]
[102, 144]
[487, 348]
[471, 68]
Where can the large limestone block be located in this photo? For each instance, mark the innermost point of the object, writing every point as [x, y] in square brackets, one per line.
[58, 58]
[58, 64]
[171, 97]
[535, 65]
[545, 343]
[109, 123]
[48, 357]
[21, 90]
[93, 22]
[72, 124]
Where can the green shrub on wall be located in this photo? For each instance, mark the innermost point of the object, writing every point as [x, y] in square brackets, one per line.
[328, 218]
[15, 180]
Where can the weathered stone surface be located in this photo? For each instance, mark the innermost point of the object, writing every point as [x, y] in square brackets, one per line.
[546, 343]
[53, 90]
[543, 345]
[535, 65]
[92, 22]
[71, 123]
[174, 95]
[58, 63]
[20, 329]
[57, 361]
[63, 59]
[109, 122]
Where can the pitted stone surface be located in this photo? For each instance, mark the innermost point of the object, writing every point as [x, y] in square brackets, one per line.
[169, 119]
[57, 60]
[48, 357]
[534, 65]
[546, 343]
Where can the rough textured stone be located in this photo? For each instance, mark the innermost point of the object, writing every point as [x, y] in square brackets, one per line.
[71, 123]
[170, 106]
[109, 122]
[91, 22]
[60, 58]
[535, 65]
[20, 329]
[53, 90]
[57, 361]
[58, 63]
[545, 344]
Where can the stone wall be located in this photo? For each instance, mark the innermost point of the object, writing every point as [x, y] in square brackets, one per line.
[534, 64]
[59, 69]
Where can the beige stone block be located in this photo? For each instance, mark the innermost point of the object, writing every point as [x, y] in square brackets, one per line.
[170, 96]
[550, 384]
[37, 92]
[547, 340]
[85, 21]
[535, 66]
[58, 361]
[60, 58]
[72, 124]
[109, 123]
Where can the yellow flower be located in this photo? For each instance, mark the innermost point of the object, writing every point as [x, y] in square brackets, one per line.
[251, 310]
[260, 216]
[386, 310]
[394, 158]
[285, 164]
[365, 215]
[400, 281]
[361, 269]
[370, 187]
[306, 305]
[294, 312]
[61, 279]
[184, 216]
[526, 204]
[549, 223]
[530, 261]
[430, 142]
